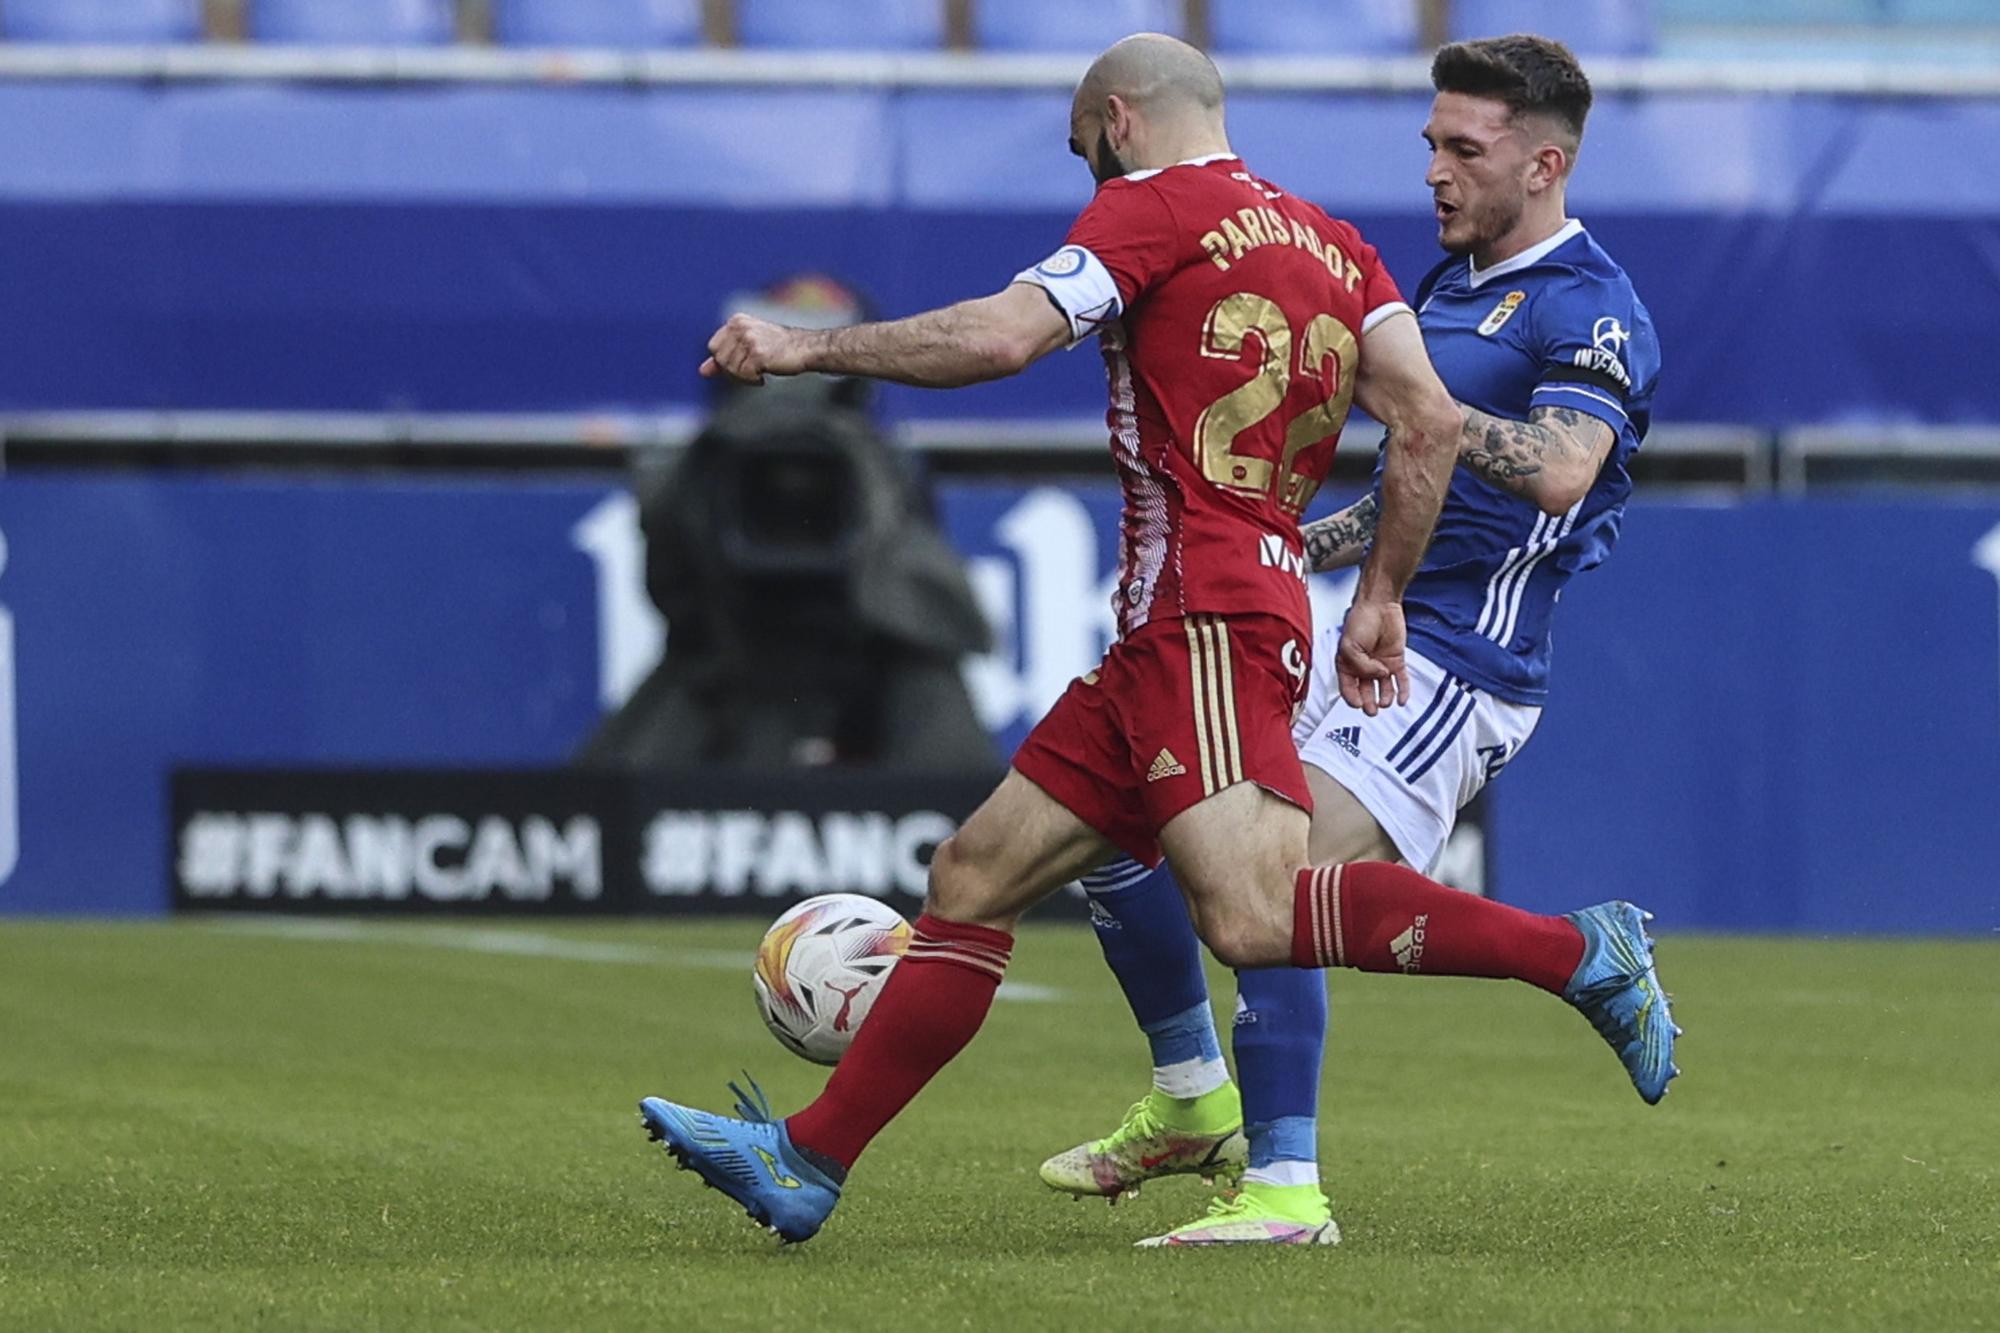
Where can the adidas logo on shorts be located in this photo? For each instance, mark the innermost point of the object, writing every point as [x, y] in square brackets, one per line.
[1165, 766]
[1347, 738]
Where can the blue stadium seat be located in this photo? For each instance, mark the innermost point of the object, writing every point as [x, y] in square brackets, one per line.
[1735, 13]
[1588, 27]
[1313, 27]
[1944, 11]
[1069, 25]
[836, 25]
[1829, 13]
[351, 22]
[616, 23]
[147, 22]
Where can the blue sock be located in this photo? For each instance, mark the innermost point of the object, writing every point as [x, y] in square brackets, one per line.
[1280, 1039]
[1143, 927]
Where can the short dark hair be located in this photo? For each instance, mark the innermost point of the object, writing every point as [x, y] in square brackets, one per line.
[1526, 72]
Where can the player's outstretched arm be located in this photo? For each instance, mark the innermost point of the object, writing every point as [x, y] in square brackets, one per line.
[1551, 459]
[1399, 388]
[985, 339]
[1339, 540]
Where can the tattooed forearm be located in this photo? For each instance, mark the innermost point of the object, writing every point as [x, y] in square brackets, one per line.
[1553, 444]
[1338, 541]
[1526, 457]
[1502, 450]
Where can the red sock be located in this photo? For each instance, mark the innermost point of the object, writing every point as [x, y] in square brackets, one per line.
[1381, 917]
[935, 999]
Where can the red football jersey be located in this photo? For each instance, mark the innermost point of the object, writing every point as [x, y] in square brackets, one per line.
[1231, 315]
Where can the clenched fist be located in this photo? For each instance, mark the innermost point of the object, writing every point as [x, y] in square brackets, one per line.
[748, 349]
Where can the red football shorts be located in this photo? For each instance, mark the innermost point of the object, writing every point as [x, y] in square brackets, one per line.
[1175, 713]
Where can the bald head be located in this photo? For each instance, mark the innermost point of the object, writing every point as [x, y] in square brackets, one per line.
[1148, 101]
[1156, 73]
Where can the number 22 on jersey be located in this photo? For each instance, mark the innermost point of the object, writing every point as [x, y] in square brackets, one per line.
[1327, 353]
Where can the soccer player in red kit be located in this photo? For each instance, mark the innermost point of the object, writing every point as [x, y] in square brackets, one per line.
[1238, 324]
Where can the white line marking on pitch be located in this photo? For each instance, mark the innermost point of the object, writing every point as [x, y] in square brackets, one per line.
[530, 944]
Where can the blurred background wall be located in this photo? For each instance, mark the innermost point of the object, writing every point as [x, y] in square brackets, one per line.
[342, 334]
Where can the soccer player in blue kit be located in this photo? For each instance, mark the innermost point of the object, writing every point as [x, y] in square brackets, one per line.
[1539, 334]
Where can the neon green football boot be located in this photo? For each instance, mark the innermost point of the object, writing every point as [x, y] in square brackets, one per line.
[1260, 1215]
[1160, 1136]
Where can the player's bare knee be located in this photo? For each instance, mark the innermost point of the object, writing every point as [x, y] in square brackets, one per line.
[961, 887]
[1229, 942]
[1233, 935]
[1241, 930]
[953, 881]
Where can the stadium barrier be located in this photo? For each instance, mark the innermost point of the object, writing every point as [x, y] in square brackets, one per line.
[1768, 714]
[508, 249]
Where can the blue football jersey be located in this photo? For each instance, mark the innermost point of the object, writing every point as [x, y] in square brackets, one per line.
[1558, 325]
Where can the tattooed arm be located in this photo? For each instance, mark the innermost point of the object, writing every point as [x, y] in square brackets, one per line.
[1552, 458]
[1339, 540]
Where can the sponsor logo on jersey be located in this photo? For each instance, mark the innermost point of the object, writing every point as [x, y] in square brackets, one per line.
[1347, 738]
[1062, 263]
[1165, 766]
[1265, 188]
[1272, 553]
[1409, 946]
[1501, 313]
[1604, 363]
[1607, 337]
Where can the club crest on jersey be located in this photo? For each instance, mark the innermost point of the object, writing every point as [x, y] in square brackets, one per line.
[1501, 313]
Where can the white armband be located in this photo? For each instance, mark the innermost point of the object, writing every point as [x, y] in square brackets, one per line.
[1380, 313]
[1077, 281]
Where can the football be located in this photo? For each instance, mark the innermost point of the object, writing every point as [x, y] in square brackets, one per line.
[820, 967]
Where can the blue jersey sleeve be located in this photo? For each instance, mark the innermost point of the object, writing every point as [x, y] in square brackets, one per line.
[1583, 329]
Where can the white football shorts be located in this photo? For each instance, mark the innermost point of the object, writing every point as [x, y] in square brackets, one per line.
[1411, 766]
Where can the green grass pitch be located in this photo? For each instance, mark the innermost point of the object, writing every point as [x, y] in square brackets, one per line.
[212, 1125]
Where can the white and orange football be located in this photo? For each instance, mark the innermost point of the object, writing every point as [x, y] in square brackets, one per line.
[820, 967]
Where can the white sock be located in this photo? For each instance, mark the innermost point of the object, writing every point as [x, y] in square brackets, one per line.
[1284, 1173]
[1190, 1078]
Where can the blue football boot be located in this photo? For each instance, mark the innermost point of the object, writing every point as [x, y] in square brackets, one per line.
[751, 1159]
[1617, 989]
